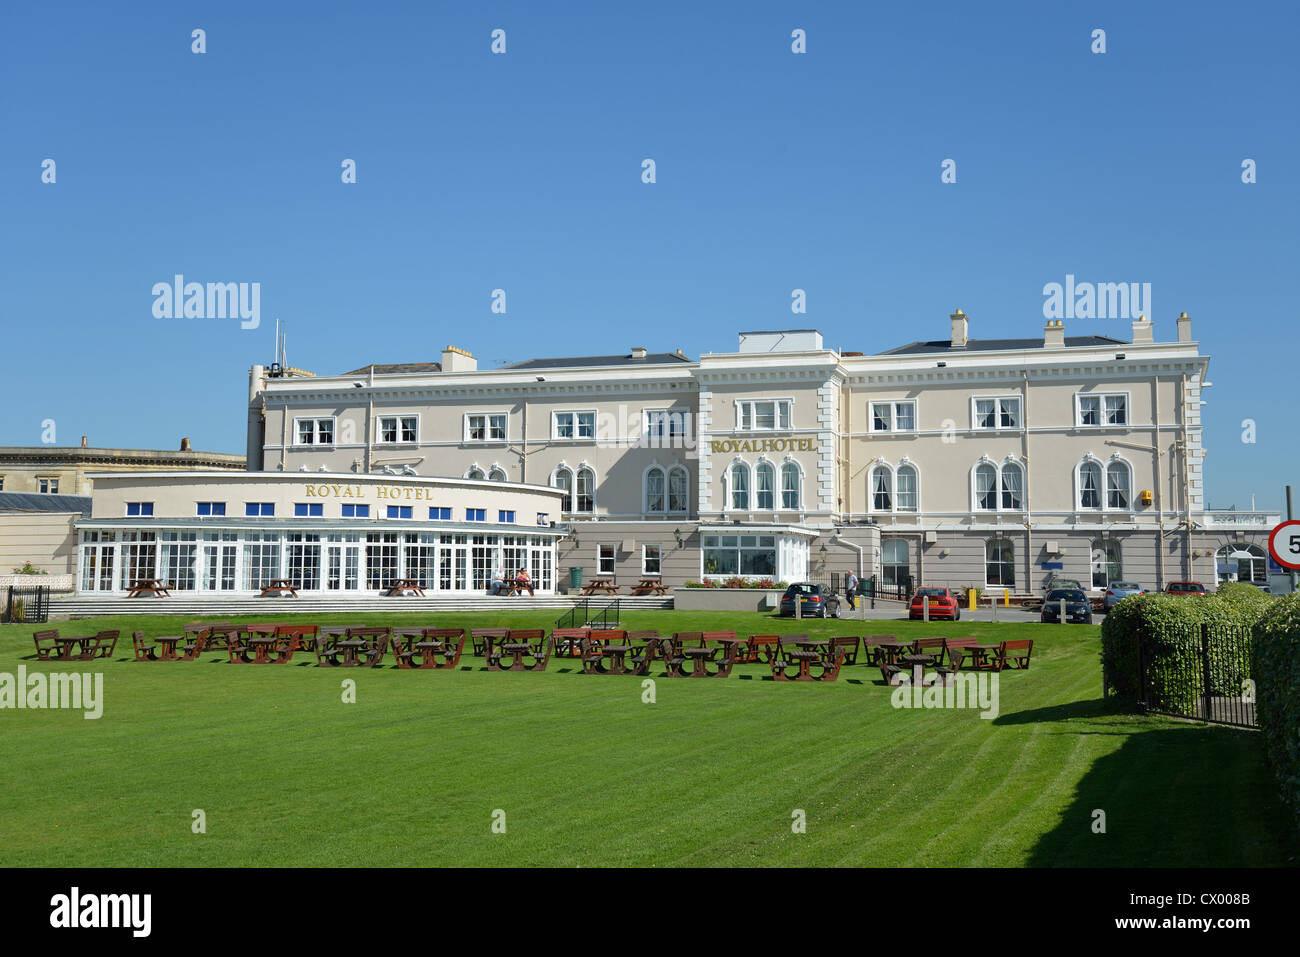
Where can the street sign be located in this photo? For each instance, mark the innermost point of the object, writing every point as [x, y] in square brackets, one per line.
[1284, 544]
[1054, 565]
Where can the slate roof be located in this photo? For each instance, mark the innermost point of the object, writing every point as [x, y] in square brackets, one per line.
[34, 502]
[397, 368]
[578, 362]
[998, 345]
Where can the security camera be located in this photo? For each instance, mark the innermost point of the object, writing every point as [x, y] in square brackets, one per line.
[358, 385]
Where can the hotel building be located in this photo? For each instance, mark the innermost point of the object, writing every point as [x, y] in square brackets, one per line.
[993, 463]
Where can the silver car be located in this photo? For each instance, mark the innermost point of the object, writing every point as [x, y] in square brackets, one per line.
[1116, 591]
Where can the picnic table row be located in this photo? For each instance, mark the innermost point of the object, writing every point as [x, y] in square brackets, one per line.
[696, 654]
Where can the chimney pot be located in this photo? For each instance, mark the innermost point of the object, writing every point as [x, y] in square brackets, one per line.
[185, 445]
[1054, 334]
[638, 352]
[83, 441]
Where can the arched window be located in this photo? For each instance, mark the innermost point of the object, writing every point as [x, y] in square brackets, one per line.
[1013, 486]
[895, 567]
[1106, 564]
[1119, 485]
[790, 485]
[586, 497]
[765, 485]
[986, 487]
[739, 485]
[497, 475]
[476, 474]
[563, 479]
[654, 490]
[1000, 563]
[1244, 563]
[882, 489]
[905, 487]
[1089, 485]
[677, 489]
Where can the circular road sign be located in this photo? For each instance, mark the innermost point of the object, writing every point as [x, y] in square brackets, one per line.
[1284, 544]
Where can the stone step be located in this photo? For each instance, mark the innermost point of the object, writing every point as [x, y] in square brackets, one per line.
[212, 606]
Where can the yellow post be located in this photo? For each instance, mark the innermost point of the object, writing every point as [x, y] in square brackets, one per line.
[970, 599]
[1006, 598]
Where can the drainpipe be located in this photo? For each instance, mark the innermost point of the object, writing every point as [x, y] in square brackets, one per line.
[1024, 451]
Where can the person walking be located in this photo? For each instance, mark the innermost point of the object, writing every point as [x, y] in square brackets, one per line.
[851, 589]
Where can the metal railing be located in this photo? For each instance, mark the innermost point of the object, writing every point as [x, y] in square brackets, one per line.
[1199, 671]
[582, 616]
[29, 603]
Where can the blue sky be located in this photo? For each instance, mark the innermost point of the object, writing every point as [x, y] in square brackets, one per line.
[775, 171]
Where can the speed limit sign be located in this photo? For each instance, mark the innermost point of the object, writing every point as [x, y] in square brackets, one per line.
[1284, 545]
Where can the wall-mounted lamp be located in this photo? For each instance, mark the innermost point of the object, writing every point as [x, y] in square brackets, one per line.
[944, 552]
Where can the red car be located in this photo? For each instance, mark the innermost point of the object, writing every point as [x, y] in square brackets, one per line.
[1184, 588]
[943, 604]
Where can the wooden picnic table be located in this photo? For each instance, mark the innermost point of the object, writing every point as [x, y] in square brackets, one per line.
[167, 647]
[279, 586]
[605, 585]
[85, 647]
[917, 663]
[151, 586]
[807, 653]
[650, 586]
[517, 587]
[401, 586]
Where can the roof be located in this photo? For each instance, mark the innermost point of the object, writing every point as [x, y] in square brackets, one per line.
[397, 368]
[998, 345]
[33, 502]
[581, 362]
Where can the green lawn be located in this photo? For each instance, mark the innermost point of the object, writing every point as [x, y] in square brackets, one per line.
[588, 774]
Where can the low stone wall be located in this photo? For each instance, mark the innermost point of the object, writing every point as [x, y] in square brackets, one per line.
[58, 584]
[727, 599]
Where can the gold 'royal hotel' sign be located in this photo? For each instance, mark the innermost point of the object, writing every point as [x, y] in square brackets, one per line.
[762, 445]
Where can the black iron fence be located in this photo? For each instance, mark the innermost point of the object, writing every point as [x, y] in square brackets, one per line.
[1199, 671]
[868, 588]
[581, 615]
[28, 604]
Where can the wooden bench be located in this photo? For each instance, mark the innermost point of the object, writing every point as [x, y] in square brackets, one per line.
[848, 648]
[595, 661]
[304, 636]
[1015, 654]
[480, 637]
[516, 587]
[645, 645]
[47, 644]
[567, 642]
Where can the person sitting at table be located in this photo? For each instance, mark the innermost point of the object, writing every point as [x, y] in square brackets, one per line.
[523, 582]
[498, 582]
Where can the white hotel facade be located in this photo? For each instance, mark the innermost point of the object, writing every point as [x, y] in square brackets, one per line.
[959, 461]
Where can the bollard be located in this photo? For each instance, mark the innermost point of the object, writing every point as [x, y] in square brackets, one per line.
[798, 605]
[1062, 604]
[925, 608]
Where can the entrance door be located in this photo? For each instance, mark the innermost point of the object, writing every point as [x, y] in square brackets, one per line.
[341, 566]
[218, 564]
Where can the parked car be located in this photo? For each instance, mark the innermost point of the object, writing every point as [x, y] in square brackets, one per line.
[1054, 583]
[944, 603]
[1184, 588]
[1117, 591]
[816, 601]
[1078, 607]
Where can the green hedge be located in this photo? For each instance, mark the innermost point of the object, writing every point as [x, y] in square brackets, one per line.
[1171, 627]
[1277, 692]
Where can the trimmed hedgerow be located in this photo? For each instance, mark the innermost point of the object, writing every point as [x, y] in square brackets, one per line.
[1277, 692]
[1171, 628]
